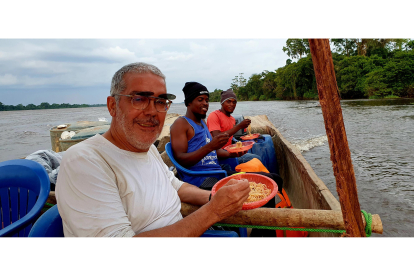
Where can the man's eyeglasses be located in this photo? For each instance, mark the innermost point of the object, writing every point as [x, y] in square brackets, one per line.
[141, 102]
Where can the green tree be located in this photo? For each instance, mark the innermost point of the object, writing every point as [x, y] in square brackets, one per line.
[237, 82]
[30, 107]
[1, 106]
[399, 43]
[352, 74]
[215, 96]
[377, 67]
[409, 45]
[19, 107]
[345, 46]
[296, 48]
[55, 106]
[269, 85]
[395, 78]
[399, 73]
[44, 105]
[375, 86]
[255, 87]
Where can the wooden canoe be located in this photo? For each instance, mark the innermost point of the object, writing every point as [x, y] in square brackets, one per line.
[305, 189]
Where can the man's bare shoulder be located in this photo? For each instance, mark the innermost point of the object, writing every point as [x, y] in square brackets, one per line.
[180, 124]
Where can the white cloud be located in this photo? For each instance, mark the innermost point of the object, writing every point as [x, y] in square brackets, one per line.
[176, 56]
[8, 79]
[114, 53]
[199, 48]
[83, 65]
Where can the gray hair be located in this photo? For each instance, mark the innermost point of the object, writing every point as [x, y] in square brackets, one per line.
[118, 84]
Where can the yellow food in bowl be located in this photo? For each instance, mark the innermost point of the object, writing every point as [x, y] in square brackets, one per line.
[258, 191]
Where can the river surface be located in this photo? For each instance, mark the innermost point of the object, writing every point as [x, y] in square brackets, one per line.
[380, 135]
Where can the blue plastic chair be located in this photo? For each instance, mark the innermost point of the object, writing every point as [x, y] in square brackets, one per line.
[24, 189]
[219, 234]
[223, 173]
[181, 169]
[50, 225]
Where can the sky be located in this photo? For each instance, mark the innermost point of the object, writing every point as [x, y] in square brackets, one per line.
[79, 71]
[67, 53]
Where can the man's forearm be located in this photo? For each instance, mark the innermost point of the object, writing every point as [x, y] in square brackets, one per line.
[193, 195]
[232, 131]
[192, 158]
[222, 154]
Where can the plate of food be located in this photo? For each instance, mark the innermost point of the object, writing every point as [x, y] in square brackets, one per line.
[250, 136]
[239, 147]
[262, 189]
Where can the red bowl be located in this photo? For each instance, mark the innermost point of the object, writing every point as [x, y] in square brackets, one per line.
[245, 147]
[250, 137]
[251, 177]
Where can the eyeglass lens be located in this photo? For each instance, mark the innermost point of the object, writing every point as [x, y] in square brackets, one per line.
[141, 102]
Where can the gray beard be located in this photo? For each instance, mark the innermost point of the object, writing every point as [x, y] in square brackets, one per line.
[141, 143]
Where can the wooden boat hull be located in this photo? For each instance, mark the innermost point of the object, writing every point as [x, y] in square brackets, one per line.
[304, 188]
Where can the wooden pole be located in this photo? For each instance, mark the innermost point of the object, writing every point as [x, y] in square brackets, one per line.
[286, 217]
[335, 130]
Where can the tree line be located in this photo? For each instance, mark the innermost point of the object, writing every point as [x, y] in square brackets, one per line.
[44, 105]
[364, 68]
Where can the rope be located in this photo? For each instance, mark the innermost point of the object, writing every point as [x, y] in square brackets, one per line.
[47, 206]
[367, 216]
[368, 219]
[280, 228]
[368, 227]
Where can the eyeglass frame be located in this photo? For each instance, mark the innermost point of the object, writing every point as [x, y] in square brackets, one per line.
[150, 97]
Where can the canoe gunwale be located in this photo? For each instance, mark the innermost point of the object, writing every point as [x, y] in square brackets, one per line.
[296, 164]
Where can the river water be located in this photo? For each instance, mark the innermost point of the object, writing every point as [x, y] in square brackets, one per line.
[380, 136]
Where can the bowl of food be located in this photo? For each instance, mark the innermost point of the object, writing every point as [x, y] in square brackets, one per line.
[239, 147]
[250, 136]
[262, 189]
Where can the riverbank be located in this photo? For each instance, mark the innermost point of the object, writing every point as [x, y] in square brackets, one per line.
[43, 106]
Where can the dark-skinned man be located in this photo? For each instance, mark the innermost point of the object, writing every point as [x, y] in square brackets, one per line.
[192, 144]
[221, 121]
[194, 147]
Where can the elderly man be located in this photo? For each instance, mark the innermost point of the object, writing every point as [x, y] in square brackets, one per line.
[221, 121]
[117, 185]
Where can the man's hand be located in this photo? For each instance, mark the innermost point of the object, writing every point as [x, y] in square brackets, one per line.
[238, 154]
[229, 199]
[219, 141]
[245, 123]
[223, 154]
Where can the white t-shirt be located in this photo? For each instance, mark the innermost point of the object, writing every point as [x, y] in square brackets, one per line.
[103, 190]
